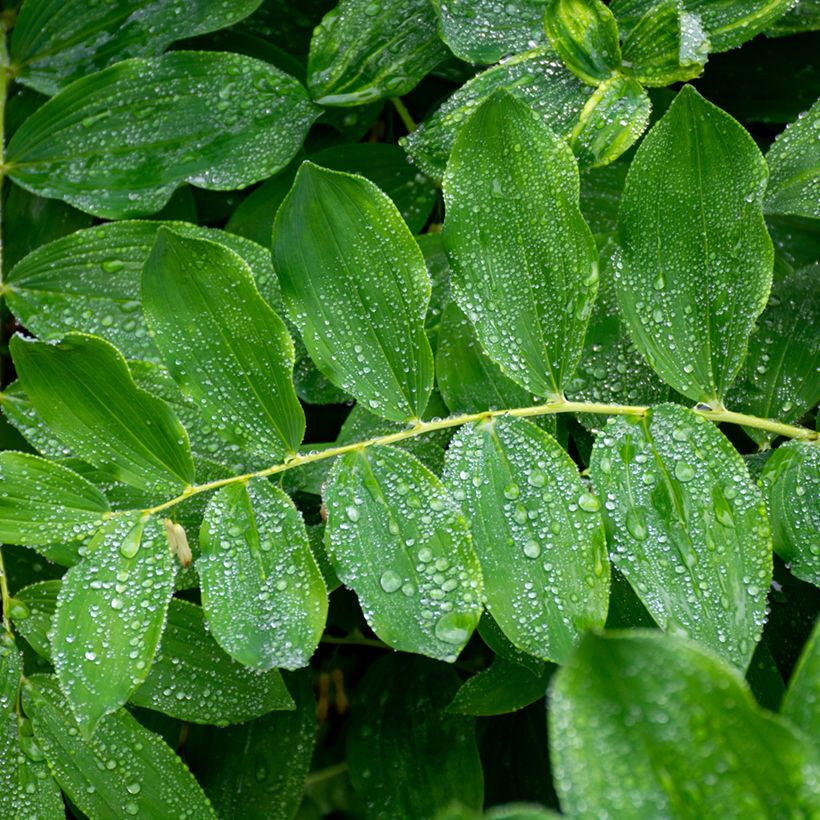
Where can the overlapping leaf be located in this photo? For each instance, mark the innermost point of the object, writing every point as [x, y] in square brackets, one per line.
[801, 704]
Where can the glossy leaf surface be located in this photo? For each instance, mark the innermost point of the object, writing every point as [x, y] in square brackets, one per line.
[802, 702]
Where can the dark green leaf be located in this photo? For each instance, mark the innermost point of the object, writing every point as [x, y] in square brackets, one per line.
[33, 622]
[355, 284]
[601, 190]
[112, 145]
[524, 261]
[688, 526]
[803, 16]
[649, 725]
[82, 389]
[438, 266]
[398, 539]
[802, 702]
[696, 258]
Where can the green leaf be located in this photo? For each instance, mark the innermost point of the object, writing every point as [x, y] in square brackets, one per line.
[82, 389]
[803, 16]
[484, 31]
[262, 592]
[585, 35]
[124, 770]
[649, 725]
[801, 704]
[398, 539]
[223, 344]
[407, 756]
[111, 145]
[362, 51]
[791, 487]
[34, 620]
[688, 526]
[537, 531]
[536, 77]
[90, 282]
[110, 617]
[696, 261]
[794, 168]
[524, 264]
[54, 42]
[43, 503]
[355, 284]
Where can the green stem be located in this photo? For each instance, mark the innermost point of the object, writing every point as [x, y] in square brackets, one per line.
[354, 641]
[404, 114]
[4, 85]
[325, 774]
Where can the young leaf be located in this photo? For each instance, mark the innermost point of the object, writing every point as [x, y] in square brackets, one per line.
[696, 260]
[222, 343]
[82, 389]
[123, 771]
[110, 617]
[262, 593]
[110, 144]
[401, 737]
[585, 35]
[791, 486]
[688, 527]
[649, 725]
[43, 503]
[355, 284]
[56, 41]
[398, 539]
[801, 704]
[362, 52]
[537, 531]
[524, 266]
[794, 168]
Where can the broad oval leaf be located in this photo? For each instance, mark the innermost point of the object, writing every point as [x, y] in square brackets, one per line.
[364, 51]
[355, 284]
[801, 704]
[43, 503]
[113, 145]
[649, 725]
[696, 259]
[688, 526]
[525, 265]
[791, 487]
[123, 770]
[262, 592]
[110, 617]
[222, 343]
[397, 538]
[56, 41]
[537, 531]
[82, 389]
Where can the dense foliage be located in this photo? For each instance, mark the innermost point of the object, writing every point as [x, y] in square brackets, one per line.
[362, 468]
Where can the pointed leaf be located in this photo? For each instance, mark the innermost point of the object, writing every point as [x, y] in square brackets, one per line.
[111, 145]
[688, 526]
[696, 258]
[398, 539]
[524, 261]
[262, 593]
[355, 284]
[801, 704]
[82, 389]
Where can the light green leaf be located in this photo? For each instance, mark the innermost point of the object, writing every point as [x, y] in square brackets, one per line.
[262, 592]
[355, 284]
[124, 770]
[649, 725]
[400, 737]
[524, 261]
[223, 344]
[34, 620]
[585, 35]
[537, 531]
[364, 51]
[791, 487]
[90, 282]
[536, 77]
[43, 503]
[56, 41]
[398, 539]
[696, 262]
[82, 389]
[794, 168]
[801, 704]
[111, 145]
[688, 526]
[110, 617]
[484, 31]
[11, 670]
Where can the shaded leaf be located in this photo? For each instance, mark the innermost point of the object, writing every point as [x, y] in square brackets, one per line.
[802, 702]
[803, 16]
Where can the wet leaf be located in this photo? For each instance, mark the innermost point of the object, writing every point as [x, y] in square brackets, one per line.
[801, 704]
